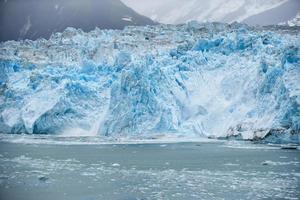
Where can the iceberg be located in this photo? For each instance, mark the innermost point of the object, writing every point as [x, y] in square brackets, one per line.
[195, 79]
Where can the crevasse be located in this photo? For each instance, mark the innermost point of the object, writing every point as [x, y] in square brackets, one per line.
[188, 80]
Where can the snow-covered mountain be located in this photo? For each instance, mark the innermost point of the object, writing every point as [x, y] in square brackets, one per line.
[282, 14]
[188, 80]
[32, 19]
[178, 11]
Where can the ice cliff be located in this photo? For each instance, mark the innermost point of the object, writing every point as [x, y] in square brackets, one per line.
[189, 80]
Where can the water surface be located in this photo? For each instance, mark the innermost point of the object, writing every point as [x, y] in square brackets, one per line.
[193, 170]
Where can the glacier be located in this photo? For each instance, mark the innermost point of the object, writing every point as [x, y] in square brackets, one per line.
[195, 79]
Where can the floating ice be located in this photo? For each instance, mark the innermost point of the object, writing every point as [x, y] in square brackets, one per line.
[116, 165]
[190, 80]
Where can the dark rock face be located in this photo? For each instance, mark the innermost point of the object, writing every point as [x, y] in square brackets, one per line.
[33, 19]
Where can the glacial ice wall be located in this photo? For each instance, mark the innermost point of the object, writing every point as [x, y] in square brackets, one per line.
[189, 80]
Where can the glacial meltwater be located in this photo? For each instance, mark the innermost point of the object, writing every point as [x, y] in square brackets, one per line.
[87, 168]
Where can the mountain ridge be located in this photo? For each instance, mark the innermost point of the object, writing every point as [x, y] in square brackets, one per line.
[226, 11]
[33, 19]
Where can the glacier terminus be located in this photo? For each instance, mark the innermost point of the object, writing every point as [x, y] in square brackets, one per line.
[194, 79]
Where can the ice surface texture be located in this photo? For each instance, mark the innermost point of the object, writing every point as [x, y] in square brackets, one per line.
[192, 80]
